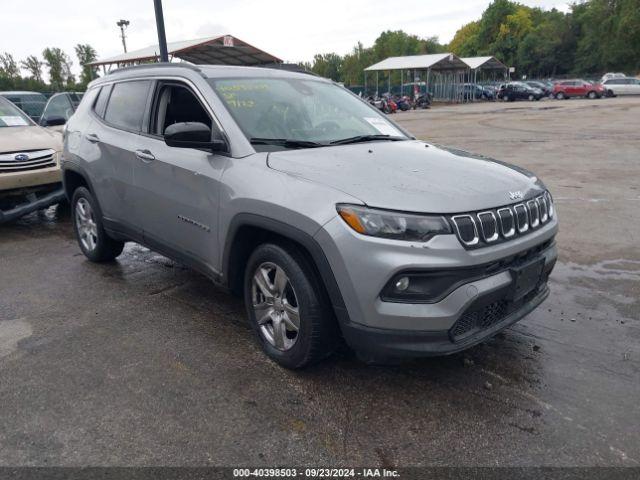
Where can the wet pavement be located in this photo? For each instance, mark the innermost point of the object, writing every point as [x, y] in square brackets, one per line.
[145, 362]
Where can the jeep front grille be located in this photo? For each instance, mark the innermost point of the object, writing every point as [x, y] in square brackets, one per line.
[488, 227]
[27, 160]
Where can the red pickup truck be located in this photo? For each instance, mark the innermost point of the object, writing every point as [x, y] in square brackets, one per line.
[577, 88]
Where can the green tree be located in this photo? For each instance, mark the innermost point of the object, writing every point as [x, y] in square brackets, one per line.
[511, 31]
[328, 65]
[33, 65]
[86, 54]
[354, 63]
[490, 23]
[549, 47]
[465, 41]
[8, 66]
[59, 65]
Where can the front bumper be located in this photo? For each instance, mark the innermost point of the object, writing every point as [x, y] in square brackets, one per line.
[403, 343]
[30, 178]
[362, 267]
[17, 203]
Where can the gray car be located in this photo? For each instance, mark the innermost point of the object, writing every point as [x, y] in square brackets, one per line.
[332, 221]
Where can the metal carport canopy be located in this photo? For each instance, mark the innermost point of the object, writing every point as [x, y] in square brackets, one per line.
[217, 50]
[487, 63]
[436, 61]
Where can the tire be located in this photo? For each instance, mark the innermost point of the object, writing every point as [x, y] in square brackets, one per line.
[532, 98]
[610, 94]
[288, 286]
[94, 242]
[592, 95]
[505, 98]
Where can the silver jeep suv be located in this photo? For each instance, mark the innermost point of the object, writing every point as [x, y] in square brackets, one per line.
[332, 221]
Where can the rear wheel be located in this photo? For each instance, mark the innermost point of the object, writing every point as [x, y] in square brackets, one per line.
[505, 97]
[287, 308]
[532, 98]
[592, 95]
[94, 242]
[560, 96]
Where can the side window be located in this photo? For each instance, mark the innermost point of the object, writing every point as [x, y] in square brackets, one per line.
[59, 106]
[101, 101]
[87, 100]
[126, 106]
[175, 103]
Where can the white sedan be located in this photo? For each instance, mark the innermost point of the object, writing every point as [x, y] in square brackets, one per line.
[622, 86]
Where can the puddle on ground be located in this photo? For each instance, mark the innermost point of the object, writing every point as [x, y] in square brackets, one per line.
[11, 332]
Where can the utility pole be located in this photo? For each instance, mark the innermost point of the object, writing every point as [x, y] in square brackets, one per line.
[123, 24]
[162, 39]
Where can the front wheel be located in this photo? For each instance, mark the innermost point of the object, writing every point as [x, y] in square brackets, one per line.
[592, 95]
[94, 242]
[532, 98]
[560, 96]
[287, 308]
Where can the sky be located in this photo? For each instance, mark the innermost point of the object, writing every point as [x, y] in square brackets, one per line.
[293, 30]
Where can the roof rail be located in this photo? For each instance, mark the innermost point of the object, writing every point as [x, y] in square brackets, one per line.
[156, 65]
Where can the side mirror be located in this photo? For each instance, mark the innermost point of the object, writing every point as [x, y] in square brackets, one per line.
[193, 135]
[53, 121]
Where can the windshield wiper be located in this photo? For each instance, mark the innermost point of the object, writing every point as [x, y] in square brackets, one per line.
[366, 138]
[285, 142]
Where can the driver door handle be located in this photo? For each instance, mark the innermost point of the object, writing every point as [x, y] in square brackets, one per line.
[93, 138]
[145, 155]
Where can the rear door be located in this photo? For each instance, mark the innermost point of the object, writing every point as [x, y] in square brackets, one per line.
[178, 189]
[116, 133]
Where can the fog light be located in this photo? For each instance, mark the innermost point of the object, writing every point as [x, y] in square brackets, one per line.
[402, 284]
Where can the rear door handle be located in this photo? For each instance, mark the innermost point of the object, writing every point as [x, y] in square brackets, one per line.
[145, 155]
[93, 138]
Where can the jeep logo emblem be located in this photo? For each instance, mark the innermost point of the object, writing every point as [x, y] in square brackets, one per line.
[21, 157]
[515, 195]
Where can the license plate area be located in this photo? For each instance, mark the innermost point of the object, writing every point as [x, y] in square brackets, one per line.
[526, 278]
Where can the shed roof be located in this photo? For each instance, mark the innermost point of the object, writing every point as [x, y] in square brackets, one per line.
[436, 61]
[216, 50]
[489, 63]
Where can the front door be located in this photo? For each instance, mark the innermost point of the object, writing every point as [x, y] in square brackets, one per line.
[178, 188]
[115, 136]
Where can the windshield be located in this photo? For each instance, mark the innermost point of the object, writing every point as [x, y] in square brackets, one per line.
[304, 112]
[10, 116]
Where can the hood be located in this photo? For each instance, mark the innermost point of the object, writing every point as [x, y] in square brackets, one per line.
[32, 137]
[410, 175]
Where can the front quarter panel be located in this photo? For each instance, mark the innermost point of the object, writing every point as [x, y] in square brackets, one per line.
[251, 187]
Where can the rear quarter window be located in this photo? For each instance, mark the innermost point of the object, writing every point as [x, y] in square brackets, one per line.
[88, 100]
[127, 103]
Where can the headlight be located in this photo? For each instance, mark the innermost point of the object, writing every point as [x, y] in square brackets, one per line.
[394, 225]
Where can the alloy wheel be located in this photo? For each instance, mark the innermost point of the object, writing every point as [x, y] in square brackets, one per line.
[86, 224]
[275, 306]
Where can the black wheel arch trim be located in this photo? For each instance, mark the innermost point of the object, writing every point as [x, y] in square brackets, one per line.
[77, 169]
[292, 233]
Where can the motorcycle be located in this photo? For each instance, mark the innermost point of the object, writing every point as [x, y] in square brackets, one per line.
[423, 101]
[404, 103]
[379, 103]
[384, 104]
